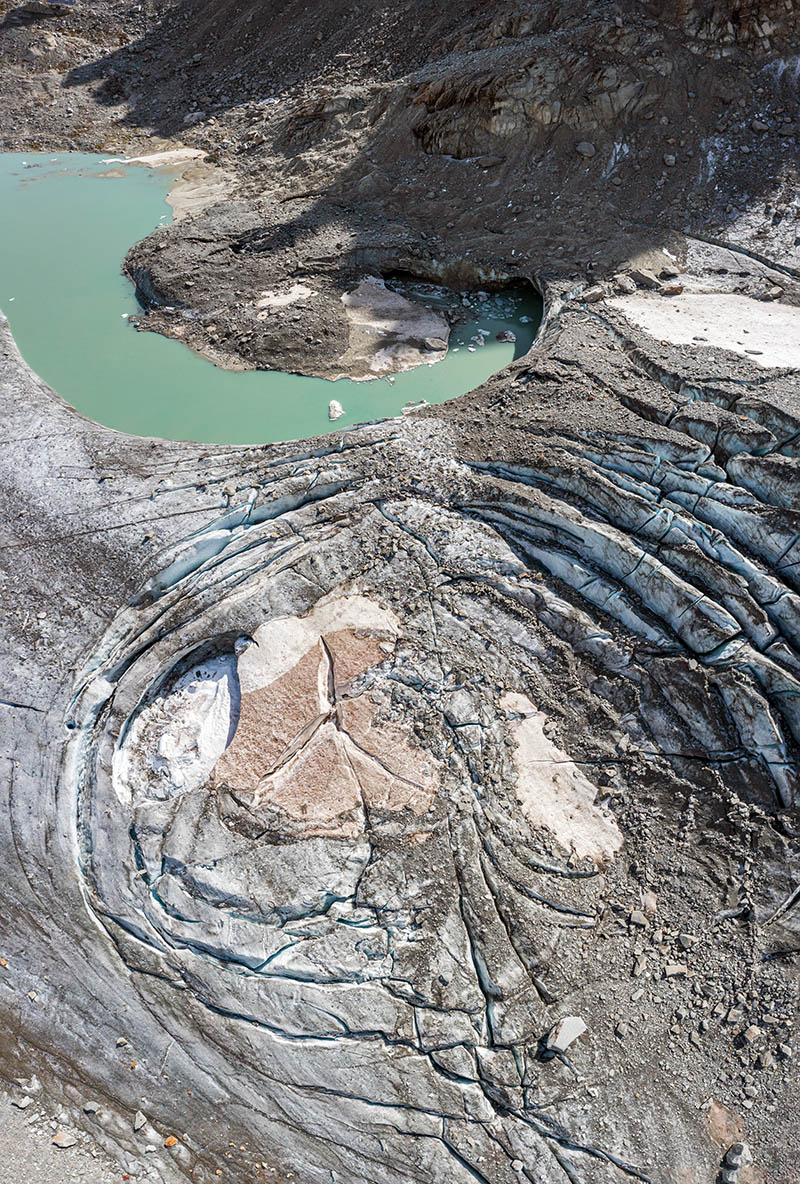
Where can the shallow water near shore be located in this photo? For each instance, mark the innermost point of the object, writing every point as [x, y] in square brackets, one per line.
[67, 221]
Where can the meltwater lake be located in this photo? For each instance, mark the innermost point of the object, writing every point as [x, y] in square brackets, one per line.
[68, 220]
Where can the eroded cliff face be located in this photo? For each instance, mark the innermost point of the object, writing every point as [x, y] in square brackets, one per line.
[731, 21]
[339, 773]
[551, 143]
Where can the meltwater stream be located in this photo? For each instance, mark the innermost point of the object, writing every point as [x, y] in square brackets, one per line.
[68, 220]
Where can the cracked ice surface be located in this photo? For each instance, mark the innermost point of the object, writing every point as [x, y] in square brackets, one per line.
[361, 905]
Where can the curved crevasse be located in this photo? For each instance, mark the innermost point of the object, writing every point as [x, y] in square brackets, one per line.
[351, 821]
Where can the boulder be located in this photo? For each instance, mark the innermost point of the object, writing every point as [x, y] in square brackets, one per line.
[565, 1033]
[644, 279]
[624, 283]
[64, 1139]
[593, 294]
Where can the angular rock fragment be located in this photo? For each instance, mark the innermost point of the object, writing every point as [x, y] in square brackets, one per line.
[64, 1139]
[565, 1033]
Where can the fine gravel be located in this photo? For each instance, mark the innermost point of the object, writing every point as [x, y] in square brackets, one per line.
[29, 1156]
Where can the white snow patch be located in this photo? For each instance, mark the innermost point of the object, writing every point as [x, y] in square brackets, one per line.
[768, 333]
[297, 292]
[553, 791]
[282, 642]
[175, 740]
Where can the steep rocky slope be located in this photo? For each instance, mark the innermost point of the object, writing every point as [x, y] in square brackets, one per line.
[547, 141]
[550, 142]
[340, 773]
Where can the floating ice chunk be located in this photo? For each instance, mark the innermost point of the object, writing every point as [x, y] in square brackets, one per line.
[335, 409]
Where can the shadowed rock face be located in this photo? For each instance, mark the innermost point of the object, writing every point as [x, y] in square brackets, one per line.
[465, 144]
[730, 21]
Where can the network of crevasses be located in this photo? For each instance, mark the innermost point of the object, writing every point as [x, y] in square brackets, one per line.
[210, 566]
[757, 415]
[619, 527]
[641, 535]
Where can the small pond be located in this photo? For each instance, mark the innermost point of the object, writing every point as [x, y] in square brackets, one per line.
[67, 222]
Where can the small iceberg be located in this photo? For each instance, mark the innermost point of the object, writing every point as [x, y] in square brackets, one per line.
[335, 409]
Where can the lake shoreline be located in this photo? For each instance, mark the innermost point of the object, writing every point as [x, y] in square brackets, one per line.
[79, 324]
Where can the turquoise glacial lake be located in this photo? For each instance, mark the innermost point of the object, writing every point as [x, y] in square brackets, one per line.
[67, 222]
